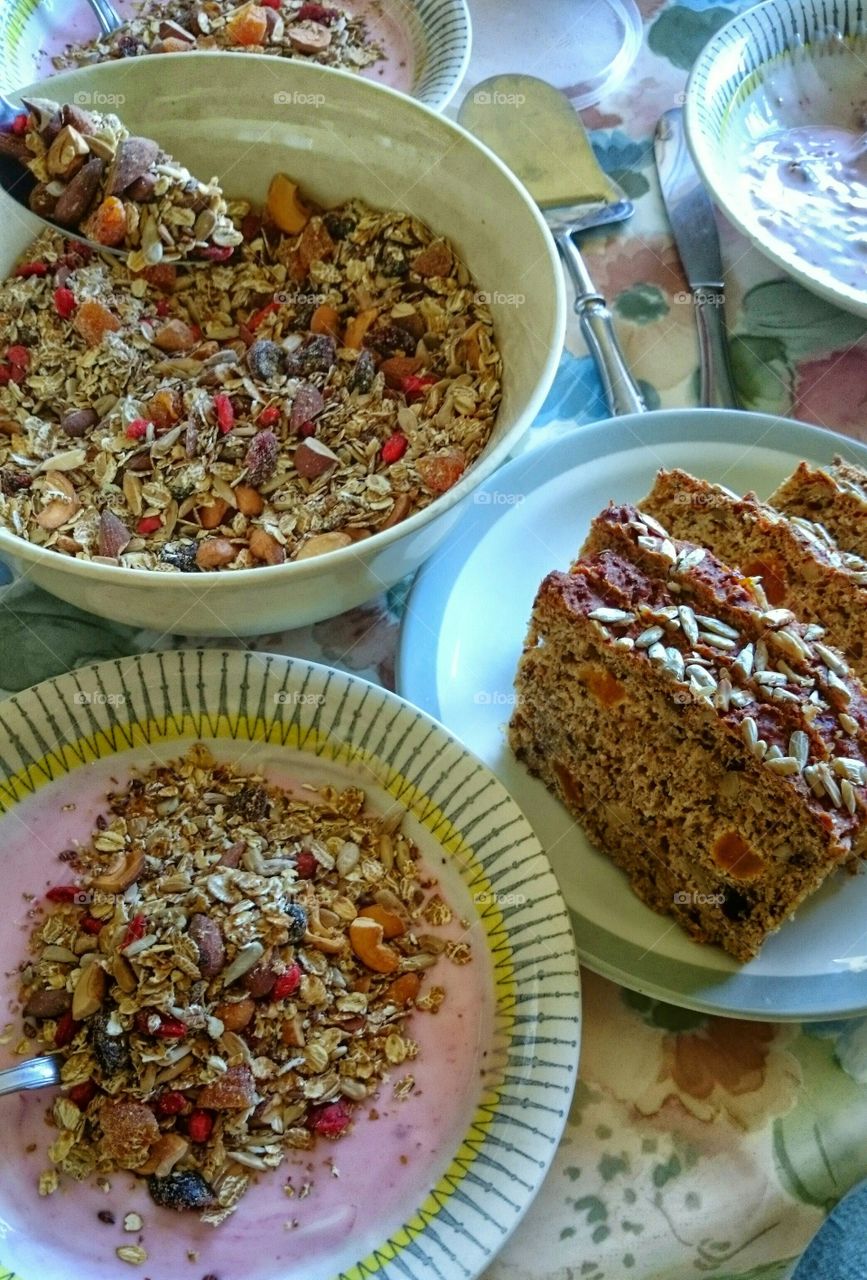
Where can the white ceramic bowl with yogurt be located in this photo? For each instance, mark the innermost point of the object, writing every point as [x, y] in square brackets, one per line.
[245, 117]
[776, 117]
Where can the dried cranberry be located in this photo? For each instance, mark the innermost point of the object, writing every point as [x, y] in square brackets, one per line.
[91, 925]
[287, 984]
[171, 1029]
[394, 448]
[305, 865]
[18, 356]
[307, 429]
[19, 125]
[216, 253]
[261, 459]
[258, 316]
[149, 524]
[316, 13]
[200, 1125]
[269, 416]
[170, 1103]
[28, 269]
[415, 385]
[66, 1029]
[330, 1121]
[134, 931]
[251, 225]
[64, 303]
[163, 307]
[63, 893]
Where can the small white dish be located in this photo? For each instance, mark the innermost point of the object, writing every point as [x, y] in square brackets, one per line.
[462, 635]
[433, 1186]
[784, 66]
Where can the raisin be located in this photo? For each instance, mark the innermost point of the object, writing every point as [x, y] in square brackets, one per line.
[363, 373]
[736, 906]
[127, 47]
[180, 555]
[390, 340]
[317, 355]
[296, 919]
[106, 1216]
[12, 481]
[111, 1052]
[266, 360]
[261, 458]
[339, 226]
[182, 1191]
[393, 261]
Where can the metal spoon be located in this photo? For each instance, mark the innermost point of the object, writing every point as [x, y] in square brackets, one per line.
[106, 15]
[37, 1073]
[18, 182]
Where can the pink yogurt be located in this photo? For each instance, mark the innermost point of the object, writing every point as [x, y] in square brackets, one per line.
[361, 1188]
[74, 23]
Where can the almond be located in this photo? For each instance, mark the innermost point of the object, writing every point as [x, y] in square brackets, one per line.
[213, 553]
[321, 543]
[313, 458]
[266, 548]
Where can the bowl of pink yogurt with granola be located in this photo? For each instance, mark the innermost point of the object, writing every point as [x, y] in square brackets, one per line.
[285, 426]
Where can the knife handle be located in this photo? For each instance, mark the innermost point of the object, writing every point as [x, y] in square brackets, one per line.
[717, 384]
[621, 390]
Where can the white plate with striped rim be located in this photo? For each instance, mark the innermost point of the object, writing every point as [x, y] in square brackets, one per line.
[427, 42]
[433, 1187]
[462, 635]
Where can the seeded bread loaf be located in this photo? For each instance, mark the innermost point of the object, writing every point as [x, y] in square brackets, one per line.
[797, 560]
[701, 739]
[835, 496]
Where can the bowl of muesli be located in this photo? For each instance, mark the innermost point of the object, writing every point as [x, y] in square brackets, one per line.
[285, 940]
[285, 426]
[421, 47]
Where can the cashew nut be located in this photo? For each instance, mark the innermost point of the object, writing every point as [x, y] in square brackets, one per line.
[392, 925]
[164, 1155]
[89, 992]
[123, 872]
[366, 940]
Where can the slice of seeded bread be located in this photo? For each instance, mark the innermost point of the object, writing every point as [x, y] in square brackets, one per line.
[797, 560]
[834, 496]
[702, 740]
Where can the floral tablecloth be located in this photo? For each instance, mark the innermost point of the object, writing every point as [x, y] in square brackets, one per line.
[710, 1147]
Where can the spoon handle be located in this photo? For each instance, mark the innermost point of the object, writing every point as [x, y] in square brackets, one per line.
[33, 1074]
[106, 15]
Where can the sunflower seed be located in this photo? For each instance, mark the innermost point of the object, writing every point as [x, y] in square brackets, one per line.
[770, 678]
[848, 723]
[716, 626]
[799, 747]
[689, 559]
[832, 791]
[649, 637]
[788, 766]
[774, 753]
[813, 632]
[675, 662]
[611, 615]
[688, 623]
[743, 663]
[777, 617]
[760, 660]
[657, 653]
[848, 793]
[791, 644]
[834, 682]
[749, 731]
[717, 642]
[833, 661]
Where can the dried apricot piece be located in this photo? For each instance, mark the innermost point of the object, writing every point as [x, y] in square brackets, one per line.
[232, 1091]
[164, 407]
[93, 321]
[107, 224]
[248, 25]
[439, 471]
[129, 1131]
[285, 205]
[326, 319]
[315, 244]
[358, 326]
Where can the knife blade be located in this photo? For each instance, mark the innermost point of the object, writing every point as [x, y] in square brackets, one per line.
[690, 213]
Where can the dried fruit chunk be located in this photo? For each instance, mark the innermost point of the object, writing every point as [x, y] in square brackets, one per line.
[232, 1091]
[315, 244]
[134, 158]
[309, 37]
[285, 205]
[439, 471]
[261, 458]
[107, 224]
[358, 326]
[326, 319]
[129, 1130]
[183, 1191]
[317, 355]
[111, 1052]
[175, 335]
[308, 403]
[93, 321]
[248, 25]
[208, 937]
[435, 260]
[266, 360]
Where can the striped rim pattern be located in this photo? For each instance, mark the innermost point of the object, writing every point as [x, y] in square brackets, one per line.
[765, 33]
[93, 712]
[440, 32]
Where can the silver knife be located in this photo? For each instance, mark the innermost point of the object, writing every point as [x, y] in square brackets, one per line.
[691, 216]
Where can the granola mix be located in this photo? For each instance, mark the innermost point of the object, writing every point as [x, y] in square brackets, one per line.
[337, 373]
[327, 34]
[118, 190]
[229, 977]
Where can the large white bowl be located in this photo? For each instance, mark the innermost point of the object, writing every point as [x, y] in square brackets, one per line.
[243, 117]
[780, 64]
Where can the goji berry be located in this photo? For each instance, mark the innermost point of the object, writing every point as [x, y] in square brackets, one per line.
[269, 416]
[62, 893]
[170, 1103]
[394, 448]
[270, 4]
[19, 356]
[258, 316]
[66, 1029]
[137, 429]
[307, 429]
[251, 225]
[17, 372]
[19, 124]
[134, 931]
[82, 1093]
[200, 1126]
[225, 412]
[163, 307]
[171, 1029]
[6, 372]
[149, 524]
[415, 385]
[90, 924]
[287, 984]
[64, 303]
[28, 269]
[305, 865]
[330, 1121]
